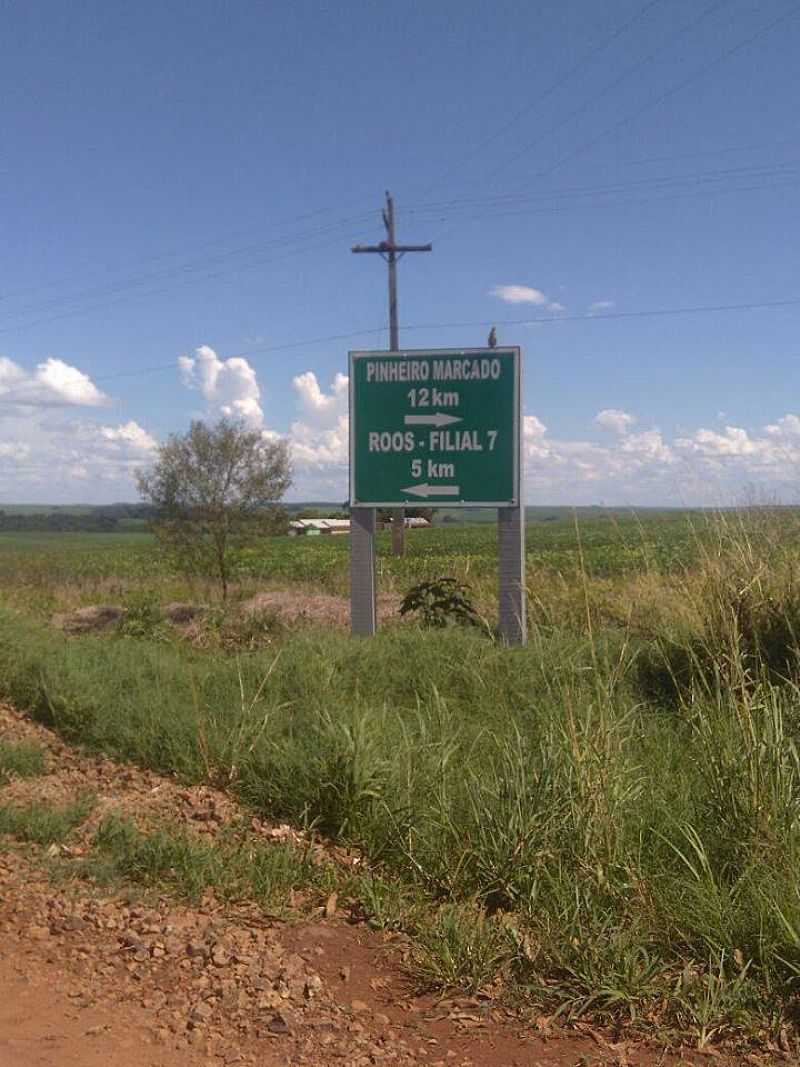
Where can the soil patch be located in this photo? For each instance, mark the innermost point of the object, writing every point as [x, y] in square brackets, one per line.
[292, 606]
[287, 605]
[94, 619]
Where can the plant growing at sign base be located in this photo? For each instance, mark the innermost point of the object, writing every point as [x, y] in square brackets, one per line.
[441, 602]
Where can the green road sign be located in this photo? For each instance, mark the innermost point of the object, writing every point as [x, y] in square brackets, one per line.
[439, 426]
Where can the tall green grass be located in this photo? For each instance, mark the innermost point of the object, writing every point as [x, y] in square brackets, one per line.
[44, 824]
[20, 759]
[607, 846]
[189, 866]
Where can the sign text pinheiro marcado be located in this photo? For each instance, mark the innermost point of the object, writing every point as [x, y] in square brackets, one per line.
[435, 426]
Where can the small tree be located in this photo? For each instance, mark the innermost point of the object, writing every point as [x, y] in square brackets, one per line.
[215, 489]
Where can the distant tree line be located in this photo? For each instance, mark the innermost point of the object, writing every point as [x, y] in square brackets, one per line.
[107, 518]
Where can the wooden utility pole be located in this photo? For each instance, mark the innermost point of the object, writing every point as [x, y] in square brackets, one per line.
[391, 252]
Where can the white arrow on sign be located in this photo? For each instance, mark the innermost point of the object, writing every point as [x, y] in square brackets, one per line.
[432, 420]
[433, 490]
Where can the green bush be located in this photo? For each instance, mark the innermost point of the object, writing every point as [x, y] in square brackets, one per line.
[441, 602]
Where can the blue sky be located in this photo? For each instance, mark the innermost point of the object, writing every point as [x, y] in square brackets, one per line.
[181, 183]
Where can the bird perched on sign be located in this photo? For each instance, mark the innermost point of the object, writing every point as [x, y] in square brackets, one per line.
[493, 338]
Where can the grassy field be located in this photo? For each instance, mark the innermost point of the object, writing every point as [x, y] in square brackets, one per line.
[605, 823]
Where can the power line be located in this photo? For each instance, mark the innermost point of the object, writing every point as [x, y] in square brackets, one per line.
[690, 309]
[558, 203]
[594, 316]
[192, 266]
[125, 297]
[697, 177]
[136, 280]
[554, 201]
[609, 87]
[260, 349]
[677, 87]
[153, 257]
[550, 90]
[499, 206]
[560, 209]
[729, 150]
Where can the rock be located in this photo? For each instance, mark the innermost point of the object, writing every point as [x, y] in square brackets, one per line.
[270, 1000]
[359, 1005]
[278, 1024]
[38, 933]
[202, 1012]
[197, 950]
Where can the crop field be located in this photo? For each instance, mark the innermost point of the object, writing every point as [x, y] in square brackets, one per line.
[603, 825]
[607, 547]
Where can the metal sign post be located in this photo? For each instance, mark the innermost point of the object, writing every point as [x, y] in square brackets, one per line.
[363, 583]
[513, 622]
[440, 426]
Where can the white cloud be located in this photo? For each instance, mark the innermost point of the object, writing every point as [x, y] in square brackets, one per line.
[54, 383]
[532, 428]
[773, 458]
[321, 407]
[321, 437]
[733, 442]
[11, 375]
[648, 445]
[229, 386]
[633, 468]
[320, 447]
[14, 451]
[519, 294]
[601, 305]
[788, 426]
[130, 434]
[534, 433]
[525, 294]
[53, 459]
[615, 420]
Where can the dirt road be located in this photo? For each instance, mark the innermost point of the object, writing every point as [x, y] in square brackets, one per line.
[90, 976]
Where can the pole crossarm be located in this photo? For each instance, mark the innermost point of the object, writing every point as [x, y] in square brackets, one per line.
[385, 246]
